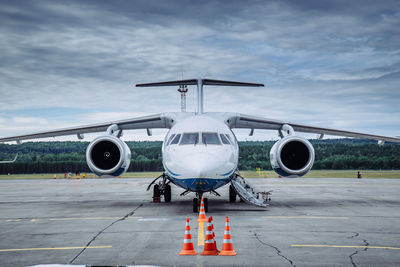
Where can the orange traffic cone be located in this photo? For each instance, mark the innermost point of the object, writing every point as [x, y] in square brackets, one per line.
[215, 242]
[187, 242]
[227, 246]
[202, 214]
[209, 247]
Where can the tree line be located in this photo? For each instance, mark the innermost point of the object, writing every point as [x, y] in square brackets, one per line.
[61, 157]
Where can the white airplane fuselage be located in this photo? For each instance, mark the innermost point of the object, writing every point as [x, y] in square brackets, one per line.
[200, 153]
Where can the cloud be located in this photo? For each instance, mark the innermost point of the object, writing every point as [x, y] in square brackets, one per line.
[30, 120]
[330, 64]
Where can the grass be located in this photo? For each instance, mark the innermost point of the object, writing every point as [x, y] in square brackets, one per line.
[395, 174]
[330, 174]
[88, 175]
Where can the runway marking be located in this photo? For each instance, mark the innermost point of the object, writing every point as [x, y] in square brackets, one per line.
[338, 246]
[90, 218]
[141, 219]
[307, 217]
[200, 234]
[61, 248]
[13, 220]
[34, 220]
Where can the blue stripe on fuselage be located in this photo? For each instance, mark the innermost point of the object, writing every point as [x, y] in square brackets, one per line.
[200, 184]
[174, 174]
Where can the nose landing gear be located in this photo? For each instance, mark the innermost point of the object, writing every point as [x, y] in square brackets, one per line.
[197, 202]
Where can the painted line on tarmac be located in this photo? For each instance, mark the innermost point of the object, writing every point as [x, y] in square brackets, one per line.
[200, 234]
[87, 218]
[338, 246]
[70, 219]
[60, 248]
[307, 217]
[160, 219]
[92, 218]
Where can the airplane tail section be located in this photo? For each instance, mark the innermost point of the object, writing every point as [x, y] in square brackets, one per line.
[200, 82]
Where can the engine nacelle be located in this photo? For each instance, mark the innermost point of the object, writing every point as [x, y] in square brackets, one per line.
[292, 156]
[108, 155]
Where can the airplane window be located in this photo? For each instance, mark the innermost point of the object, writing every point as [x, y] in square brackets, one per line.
[210, 139]
[189, 139]
[224, 139]
[170, 139]
[176, 139]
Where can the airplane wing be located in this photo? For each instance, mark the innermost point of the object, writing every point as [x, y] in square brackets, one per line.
[153, 121]
[252, 122]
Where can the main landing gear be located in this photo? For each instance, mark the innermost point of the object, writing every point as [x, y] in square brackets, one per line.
[162, 188]
[232, 194]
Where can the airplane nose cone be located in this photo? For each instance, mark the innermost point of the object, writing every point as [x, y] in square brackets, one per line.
[201, 165]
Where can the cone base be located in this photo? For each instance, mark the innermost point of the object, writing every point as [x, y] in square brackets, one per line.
[210, 253]
[188, 252]
[227, 253]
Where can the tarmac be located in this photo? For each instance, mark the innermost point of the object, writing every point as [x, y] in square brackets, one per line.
[310, 222]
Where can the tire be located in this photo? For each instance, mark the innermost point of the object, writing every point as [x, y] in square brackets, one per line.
[232, 194]
[206, 204]
[195, 205]
[167, 193]
[156, 191]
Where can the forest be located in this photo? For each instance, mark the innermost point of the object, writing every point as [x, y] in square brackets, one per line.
[61, 157]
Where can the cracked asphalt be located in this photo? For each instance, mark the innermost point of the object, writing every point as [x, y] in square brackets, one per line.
[310, 222]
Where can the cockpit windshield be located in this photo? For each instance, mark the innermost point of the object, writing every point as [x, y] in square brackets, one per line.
[176, 139]
[170, 139]
[190, 139]
[210, 139]
[224, 140]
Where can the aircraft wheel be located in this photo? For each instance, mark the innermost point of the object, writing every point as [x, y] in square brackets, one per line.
[232, 194]
[206, 204]
[195, 204]
[156, 191]
[167, 193]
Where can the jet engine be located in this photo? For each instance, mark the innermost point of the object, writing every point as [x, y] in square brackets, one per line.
[108, 155]
[292, 156]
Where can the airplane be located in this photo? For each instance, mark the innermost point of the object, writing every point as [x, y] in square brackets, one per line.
[200, 152]
[10, 161]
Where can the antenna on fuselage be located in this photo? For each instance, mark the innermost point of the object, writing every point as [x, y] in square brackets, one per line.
[183, 90]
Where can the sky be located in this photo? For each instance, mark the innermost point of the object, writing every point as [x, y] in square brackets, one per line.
[324, 63]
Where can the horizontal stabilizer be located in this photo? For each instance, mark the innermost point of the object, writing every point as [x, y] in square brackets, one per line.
[169, 83]
[231, 83]
[203, 81]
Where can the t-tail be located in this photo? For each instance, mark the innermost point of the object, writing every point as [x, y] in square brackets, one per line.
[200, 82]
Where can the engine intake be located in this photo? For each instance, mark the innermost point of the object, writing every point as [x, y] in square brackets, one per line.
[108, 155]
[292, 156]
